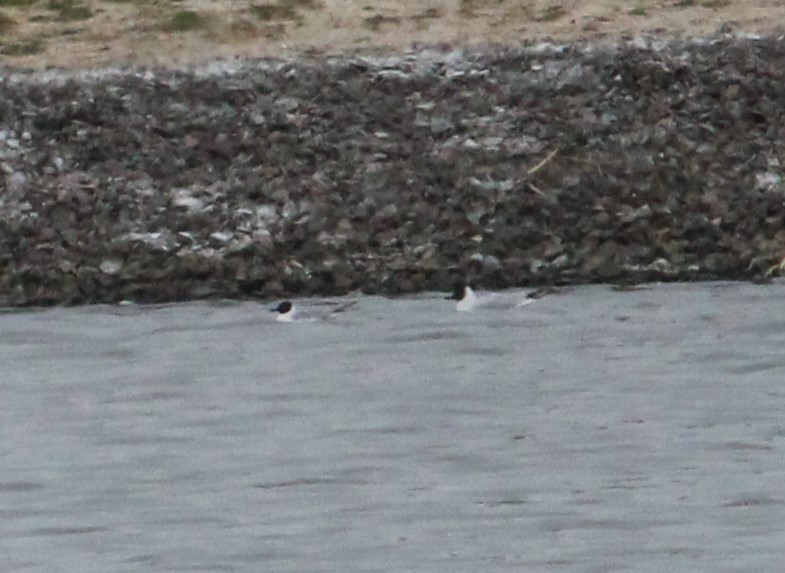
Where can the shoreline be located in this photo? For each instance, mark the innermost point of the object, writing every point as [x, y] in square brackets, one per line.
[551, 164]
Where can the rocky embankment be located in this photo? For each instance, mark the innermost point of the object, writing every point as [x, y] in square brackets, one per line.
[543, 165]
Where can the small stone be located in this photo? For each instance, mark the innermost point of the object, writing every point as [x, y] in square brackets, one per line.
[160, 241]
[767, 181]
[267, 213]
[110, 266]
[491, 264]
[16, 181]
[182, 198]
[221, 238]
[263, 238]
[661, 265]
[630, 215]
[240, 244]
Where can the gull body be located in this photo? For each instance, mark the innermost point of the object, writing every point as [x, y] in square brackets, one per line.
[469, 299]
[287, 311]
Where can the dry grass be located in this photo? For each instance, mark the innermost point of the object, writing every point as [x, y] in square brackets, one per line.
[7, 24]
[89, 33]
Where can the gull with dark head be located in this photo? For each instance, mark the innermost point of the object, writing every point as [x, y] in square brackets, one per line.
[469, 299]
[288, 312]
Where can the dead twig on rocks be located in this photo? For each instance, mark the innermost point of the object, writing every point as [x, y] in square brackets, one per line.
[534, 188]
[777, 267]
[542, 163]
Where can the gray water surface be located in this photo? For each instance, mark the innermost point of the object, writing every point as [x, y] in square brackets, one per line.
[590, 431]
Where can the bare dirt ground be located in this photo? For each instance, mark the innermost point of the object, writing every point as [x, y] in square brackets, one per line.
[95, 33]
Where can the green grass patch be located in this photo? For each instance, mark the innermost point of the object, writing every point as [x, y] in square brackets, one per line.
[304, 4]
[271, 12]
[16, 3]
[552, 13]
[23, 48]
[473, 8]
[69, 10]
[185, 21]
[376, 21]
[423, 19]
[468, 8]
[6, 23]
[243, 29]
[427, 14]
[637, 11]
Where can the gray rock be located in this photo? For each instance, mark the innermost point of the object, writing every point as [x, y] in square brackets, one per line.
[111, 266]
[319, 174]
